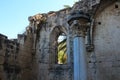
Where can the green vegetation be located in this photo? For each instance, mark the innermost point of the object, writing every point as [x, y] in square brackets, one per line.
[67, 6]
[62, 56]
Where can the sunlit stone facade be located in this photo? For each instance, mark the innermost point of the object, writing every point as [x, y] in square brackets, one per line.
[92, 29]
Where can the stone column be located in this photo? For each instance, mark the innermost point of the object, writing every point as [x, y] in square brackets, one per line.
[80, 66]
[80, 63]
[78, 24]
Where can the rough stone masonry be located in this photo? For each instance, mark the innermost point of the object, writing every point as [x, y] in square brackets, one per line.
[92, 29]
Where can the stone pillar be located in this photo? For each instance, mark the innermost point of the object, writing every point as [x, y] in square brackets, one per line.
[69, 48]
[80, 63]
[78, 24]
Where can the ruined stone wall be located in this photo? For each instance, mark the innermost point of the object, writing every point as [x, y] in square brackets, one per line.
[9, 68]
[106, 41]
[25, 58]
[38, 49]
[2, 55]
[56, 23]
[35, 57]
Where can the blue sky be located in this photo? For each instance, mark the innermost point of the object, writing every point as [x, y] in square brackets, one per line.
[14, 13]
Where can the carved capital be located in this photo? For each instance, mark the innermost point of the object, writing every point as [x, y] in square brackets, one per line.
[79, 22]
[79, 29]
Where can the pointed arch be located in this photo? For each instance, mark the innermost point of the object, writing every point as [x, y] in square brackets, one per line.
[54, 35]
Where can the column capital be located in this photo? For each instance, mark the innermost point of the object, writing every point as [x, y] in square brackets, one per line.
[78, 22]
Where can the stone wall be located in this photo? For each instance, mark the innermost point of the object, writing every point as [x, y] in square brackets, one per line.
[106, 42]
[9, 67]
[33, 56]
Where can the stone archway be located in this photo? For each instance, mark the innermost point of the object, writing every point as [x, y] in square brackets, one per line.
[55, 33]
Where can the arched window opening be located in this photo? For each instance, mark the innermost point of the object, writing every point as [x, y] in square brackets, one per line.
[62, 49]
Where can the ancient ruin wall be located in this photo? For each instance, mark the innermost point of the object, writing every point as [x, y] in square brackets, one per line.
[34, 58]
[9, 67]
[106, 42]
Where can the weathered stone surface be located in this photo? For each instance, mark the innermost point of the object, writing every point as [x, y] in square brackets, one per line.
[33, 56]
